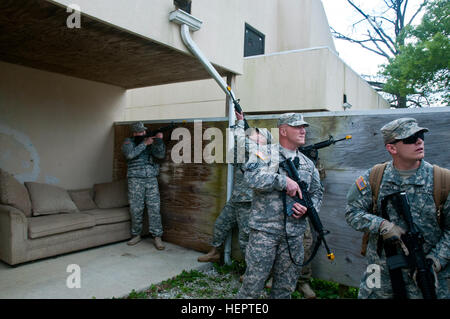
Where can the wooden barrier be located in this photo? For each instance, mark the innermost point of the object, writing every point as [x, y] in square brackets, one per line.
[192, 195]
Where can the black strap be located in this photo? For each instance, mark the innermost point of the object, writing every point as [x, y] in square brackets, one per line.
[316, 246]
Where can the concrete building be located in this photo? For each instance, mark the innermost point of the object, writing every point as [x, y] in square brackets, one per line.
[66, 76]
[296, 69]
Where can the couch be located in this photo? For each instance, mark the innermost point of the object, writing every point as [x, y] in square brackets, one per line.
[39, 220]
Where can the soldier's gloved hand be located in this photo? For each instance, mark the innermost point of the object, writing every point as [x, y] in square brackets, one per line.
[393, 232]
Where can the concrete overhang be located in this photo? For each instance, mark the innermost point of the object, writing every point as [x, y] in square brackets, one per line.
[34, 33]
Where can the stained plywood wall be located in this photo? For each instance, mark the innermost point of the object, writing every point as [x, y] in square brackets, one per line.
[192, 195]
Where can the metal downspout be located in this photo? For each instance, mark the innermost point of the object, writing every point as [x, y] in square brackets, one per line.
[194, 49]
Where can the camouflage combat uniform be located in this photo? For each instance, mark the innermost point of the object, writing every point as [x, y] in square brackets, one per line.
[143, 187]
[419, 191]
[268, 247]
[237, 209]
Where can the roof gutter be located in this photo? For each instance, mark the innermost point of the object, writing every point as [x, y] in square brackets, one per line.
[190, 23]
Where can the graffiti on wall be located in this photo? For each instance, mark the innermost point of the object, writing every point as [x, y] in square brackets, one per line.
[18, 156]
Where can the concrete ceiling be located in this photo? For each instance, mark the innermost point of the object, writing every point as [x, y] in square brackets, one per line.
[34, 33]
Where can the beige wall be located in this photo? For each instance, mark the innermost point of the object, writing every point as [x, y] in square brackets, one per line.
[302, 24]
[179, 100]
[221, 36]
[299, 71]
[57, 129]
[287, 24]
[310, 79]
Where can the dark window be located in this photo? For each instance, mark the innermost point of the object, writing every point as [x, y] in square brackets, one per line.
[253, 41]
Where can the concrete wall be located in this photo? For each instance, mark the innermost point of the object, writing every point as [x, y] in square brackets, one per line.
[311, 80]
[57, 129]
[299, 71]
[302, 24]
[221, 35]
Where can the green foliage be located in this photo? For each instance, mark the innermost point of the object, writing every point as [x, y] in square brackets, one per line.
[331, 290]
[237, 267]
[137, 295]
[225, 284]
[423, 65]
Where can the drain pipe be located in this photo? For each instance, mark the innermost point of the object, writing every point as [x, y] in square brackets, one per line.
[187, 23]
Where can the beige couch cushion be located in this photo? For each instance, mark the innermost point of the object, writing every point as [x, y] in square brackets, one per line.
[83, 199]
[13, 193]
[49, 199]
[111, 195]
[110, 216]
[41, 226]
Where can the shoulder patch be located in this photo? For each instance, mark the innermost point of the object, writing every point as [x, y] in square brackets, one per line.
[261, 155]
[360, 183]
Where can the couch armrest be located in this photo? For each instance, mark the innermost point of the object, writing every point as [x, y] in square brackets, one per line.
[13, 234]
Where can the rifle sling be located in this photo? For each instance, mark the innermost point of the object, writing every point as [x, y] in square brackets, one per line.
[316, 246]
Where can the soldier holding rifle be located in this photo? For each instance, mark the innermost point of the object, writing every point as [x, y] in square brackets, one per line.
[408, 268]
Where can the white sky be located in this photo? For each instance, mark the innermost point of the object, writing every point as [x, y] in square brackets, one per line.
[341, 16]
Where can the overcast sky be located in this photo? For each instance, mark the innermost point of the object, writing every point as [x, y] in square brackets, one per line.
[341, 16]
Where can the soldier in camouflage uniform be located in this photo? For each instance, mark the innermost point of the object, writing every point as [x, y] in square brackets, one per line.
[306, 273]
[276, 240]
[408, 172]
[143, 188]
[237, 209]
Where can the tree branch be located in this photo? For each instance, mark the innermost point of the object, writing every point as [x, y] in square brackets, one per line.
[424, 3]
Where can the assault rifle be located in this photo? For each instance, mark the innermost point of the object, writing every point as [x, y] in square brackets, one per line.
[414, 240]
[237, 106]
[152, 133]
[311, 151]
[311, 212]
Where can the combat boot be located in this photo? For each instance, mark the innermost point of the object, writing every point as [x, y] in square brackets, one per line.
[134, 240]
[158, 243]
[306, 290]
[212, 256]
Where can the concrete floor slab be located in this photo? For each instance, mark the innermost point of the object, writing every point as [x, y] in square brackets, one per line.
[108, 271]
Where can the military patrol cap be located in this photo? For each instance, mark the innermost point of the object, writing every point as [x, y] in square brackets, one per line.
[138, 127]
[292, 119]
[265, 132]
[400, 128]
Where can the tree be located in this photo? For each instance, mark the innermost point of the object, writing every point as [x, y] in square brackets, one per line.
[422, 68]
[383, 29]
